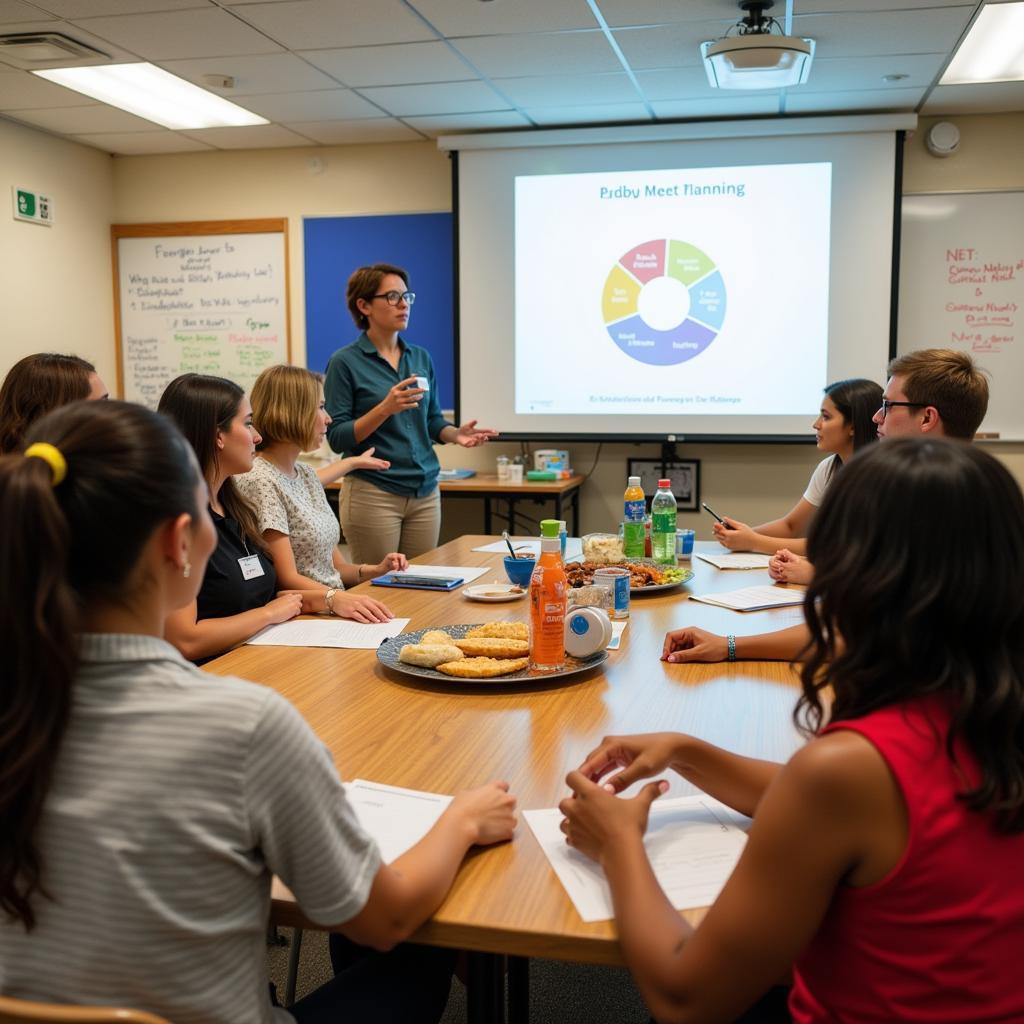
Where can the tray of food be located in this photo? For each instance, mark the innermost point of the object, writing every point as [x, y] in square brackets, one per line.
[645, 576]
[493, 652]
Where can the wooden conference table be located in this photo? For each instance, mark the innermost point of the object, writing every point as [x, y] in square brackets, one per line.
[442, 737]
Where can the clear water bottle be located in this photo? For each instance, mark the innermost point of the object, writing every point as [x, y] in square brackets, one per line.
[663, 525]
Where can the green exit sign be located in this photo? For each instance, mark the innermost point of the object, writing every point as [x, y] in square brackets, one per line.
[32, 206]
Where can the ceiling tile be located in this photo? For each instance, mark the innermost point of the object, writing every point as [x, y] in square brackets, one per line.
[256, 136]
[605, 113]
[866, 99]
[15, 11]
[866, 72]
[665, 12]
[404, 64]
[568, 90]
[96, 117]
[672, 46]
[874, 6]
[683, 84]
[459, 18]
[20, 90]
[495, 120]
[130, 143]
[97, 8]
[991, 97]
[75, 32]
[315, 24]
[165, 36]
[744, 105]
[884, 32]
[264, 73]
[510, 56]
[446, 98]
[325, 105]
[338, 133]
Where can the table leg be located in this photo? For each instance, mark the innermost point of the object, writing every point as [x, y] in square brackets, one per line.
[576, 512]
[558, 505]
[512, 516]
[485, 989]
[487, 514]
[518, 990]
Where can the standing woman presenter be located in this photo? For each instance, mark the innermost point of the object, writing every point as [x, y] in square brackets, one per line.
[376, 398]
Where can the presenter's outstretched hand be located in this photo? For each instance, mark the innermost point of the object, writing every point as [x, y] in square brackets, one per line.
[597, 823]
[367, 460]
[360, 607]
[489, 812]
[631, 758]
[404, 395]
[693, 644]
[734, 535]
[469, 435]
[785, 567]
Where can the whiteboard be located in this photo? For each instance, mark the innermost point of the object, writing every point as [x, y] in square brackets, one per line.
[962, 287]
[209, 297]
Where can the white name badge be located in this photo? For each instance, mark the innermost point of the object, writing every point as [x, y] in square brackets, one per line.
[250, 566]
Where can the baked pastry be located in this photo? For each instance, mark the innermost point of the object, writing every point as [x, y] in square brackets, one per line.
[483, 668]
[436, 636]
[501, 630]
[429, 655]
[492, 647]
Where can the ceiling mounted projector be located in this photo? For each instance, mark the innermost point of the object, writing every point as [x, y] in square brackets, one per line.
[758, 55]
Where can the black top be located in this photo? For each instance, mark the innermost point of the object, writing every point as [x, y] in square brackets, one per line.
[225, 591]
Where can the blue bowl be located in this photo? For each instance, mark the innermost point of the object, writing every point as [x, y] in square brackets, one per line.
[519, 570]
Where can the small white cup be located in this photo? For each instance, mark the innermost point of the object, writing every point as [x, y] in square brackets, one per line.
[515, 473]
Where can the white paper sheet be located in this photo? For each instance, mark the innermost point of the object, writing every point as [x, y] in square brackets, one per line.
[467, 573]
[754, 599]
[397, 818]
[618, 628]
[573, 547]
[693, 843]
[329, 633]
[737, 560]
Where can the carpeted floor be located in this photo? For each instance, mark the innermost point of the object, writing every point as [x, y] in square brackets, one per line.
[559, 993]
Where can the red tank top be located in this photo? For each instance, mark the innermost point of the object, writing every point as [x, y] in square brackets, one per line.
[941, 937]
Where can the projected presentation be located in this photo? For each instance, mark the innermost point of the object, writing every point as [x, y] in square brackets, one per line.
[699, 291]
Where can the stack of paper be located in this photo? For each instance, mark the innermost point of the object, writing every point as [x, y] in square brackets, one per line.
[737, 560]
[396, 818]
[693, 843]
[531, 545]
[329, 633]
[754, 599]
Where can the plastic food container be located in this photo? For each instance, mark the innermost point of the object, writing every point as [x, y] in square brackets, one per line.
[590, 597]
[587, 631]
[602, 548]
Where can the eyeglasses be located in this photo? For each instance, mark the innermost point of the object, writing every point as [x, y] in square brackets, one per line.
[393, 298]
[887, 405]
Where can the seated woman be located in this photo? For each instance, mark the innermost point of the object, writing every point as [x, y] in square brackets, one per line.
[844, 424]
[239, 594]
[38, 383]
[884, 861]
[293, 516]
[143, 793]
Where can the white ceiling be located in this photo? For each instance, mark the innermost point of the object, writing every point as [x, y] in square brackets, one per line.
[331, 72]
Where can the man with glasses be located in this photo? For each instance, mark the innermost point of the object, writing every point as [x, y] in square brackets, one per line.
[933, 392]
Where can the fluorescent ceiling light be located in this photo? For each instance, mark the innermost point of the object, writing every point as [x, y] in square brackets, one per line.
[757, 61]
[155, 94]
[993, 50]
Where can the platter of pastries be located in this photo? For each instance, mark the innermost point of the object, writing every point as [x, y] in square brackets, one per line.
[645, 576]
[493, 652]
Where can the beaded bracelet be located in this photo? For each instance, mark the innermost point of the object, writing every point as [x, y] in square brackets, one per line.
[731, 641]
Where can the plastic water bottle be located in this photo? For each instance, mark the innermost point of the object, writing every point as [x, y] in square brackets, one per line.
[634, 510]
[663, 525]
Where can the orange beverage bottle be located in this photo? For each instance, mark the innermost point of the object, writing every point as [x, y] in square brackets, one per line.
[548, 603]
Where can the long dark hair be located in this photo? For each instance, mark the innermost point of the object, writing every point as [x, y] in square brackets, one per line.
[128, 471]
[35, 385]
[918, 552]
[199, 406]
[856, 400]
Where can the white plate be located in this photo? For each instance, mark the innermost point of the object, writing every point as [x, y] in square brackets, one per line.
[494, 592]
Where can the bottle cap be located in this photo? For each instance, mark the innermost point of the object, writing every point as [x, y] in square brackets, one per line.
[634, 481]
[664, 485]
[549, 528]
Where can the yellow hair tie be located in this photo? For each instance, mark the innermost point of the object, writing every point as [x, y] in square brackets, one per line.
[51, 454]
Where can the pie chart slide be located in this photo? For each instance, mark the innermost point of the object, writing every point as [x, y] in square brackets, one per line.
[664, 302]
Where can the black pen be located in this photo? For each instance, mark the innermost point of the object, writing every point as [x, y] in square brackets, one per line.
[708, 508]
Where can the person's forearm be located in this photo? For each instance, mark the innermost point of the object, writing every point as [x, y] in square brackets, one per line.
[651, 932]
[363, 427]
[352, 575]
[739, 782]
[334, 470]
[448, 434]
[209, 637]
[780, 645]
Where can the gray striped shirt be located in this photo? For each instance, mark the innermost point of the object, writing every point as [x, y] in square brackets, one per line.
[176, 795]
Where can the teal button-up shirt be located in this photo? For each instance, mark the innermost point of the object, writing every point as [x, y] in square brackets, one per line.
[358, 378]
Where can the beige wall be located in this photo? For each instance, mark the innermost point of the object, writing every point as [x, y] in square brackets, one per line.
[752, 482]
[55, 282]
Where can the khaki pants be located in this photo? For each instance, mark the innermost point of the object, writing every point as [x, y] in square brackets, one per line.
[375, 522]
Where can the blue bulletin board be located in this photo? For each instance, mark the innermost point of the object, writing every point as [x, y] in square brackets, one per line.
[421, 243]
